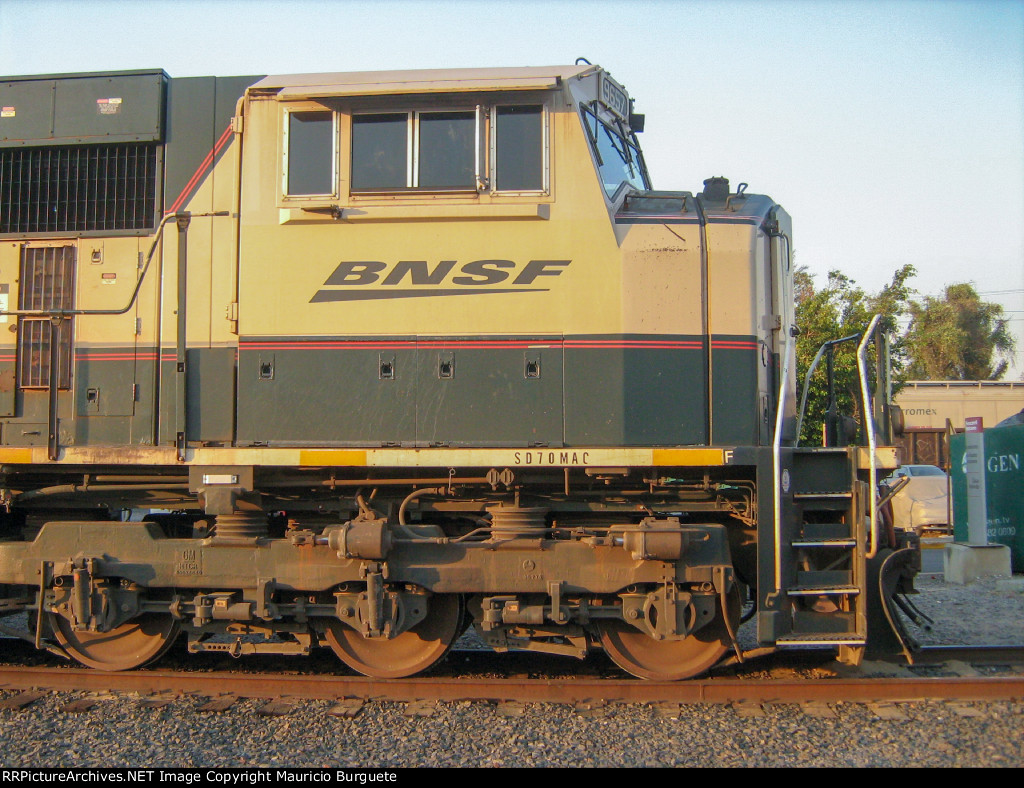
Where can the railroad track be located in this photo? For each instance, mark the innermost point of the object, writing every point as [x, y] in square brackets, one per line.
[951, 679]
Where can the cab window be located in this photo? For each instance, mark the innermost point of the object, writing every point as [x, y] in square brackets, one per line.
[310, 147]
[519, 148]
[415, 150]
[497, 148]
[618, 157]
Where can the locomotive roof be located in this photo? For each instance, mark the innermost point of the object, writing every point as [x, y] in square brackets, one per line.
[378, 83]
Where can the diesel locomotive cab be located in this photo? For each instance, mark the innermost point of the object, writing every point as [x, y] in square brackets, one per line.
[371, 358]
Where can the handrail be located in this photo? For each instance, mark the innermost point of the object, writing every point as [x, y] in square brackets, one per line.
[157, 234]
[869, 423]
[789, 354]
[807, 379]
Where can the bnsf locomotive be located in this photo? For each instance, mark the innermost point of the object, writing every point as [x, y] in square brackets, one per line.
[362, 360]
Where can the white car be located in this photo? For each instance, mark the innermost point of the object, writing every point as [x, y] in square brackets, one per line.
[922, 505]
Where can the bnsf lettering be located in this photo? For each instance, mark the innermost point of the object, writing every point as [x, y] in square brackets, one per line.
[552, 457]
[484, 272]
[418, 272]
[354, 275]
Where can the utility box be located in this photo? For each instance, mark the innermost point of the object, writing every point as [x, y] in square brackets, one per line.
[1004, 489]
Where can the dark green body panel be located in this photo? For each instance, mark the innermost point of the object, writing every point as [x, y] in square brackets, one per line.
[111, 401]
[107, 404]
[389, 395]
[489, 394]
[499, 392]
[635, 397]
[200, 110]
[210, 394]
[326, 396]
[426, 392]
[75, 109]
[738, 416]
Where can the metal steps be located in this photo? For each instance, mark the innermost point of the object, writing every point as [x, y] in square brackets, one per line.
[821, 639]
[826, 590]
[824, 542]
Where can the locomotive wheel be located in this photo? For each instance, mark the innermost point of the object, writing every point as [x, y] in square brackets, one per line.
[415, 650]
[128, 646]
[670, 660]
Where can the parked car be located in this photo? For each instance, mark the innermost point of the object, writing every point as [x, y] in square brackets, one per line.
[922, 504]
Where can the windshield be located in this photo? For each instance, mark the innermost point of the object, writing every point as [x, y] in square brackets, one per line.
[619, 158]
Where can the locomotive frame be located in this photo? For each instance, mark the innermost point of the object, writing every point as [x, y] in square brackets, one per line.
[378, 356]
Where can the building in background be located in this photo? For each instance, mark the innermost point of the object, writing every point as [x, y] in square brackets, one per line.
[931, 408]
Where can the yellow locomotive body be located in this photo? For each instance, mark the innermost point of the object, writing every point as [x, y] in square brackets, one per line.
[379, 354]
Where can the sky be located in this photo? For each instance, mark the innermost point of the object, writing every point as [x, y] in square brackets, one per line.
[892, 132]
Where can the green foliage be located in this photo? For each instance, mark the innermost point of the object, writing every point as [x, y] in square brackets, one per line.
[842, 309]
[953, 337]
[959, 337]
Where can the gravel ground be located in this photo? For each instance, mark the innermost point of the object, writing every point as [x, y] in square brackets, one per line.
[119, 732]
[474, 734]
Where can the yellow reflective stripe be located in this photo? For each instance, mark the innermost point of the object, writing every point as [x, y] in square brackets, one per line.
[332, 457]
[15, 455]
[688, 457]
[391, 457]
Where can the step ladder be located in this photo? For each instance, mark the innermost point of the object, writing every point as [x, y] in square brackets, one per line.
[825, 584]
[824, 497]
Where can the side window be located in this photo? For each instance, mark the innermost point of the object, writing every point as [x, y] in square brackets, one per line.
[310, 168]
[519, 148]
[380, 149]
[447, 150]
[415, 150]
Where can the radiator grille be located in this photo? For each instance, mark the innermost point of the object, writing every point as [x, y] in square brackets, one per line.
[47, 283]
[78, 188]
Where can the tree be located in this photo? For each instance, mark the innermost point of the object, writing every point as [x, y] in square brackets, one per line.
[958, 337]
[842, 309]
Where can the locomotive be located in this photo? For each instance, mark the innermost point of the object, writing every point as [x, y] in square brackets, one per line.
[360, 360]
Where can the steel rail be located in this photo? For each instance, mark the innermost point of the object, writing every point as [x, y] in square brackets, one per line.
[977, 655]
[554, 690]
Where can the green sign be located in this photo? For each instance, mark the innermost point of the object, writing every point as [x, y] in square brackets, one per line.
[1004, 489]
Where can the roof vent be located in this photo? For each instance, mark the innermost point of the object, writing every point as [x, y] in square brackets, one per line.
[716, 189]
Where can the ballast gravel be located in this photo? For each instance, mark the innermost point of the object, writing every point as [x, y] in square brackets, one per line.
[119, 731]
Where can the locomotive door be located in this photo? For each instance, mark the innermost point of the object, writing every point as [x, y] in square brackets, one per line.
[107, 365]
[783, 319]
[46, 281]
[89, 359]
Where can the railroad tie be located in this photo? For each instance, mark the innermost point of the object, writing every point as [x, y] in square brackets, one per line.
[964, 709]
[510, 708]
[222, 703]
[962, 668]
[21, 701]
[278, 707]
[420, 708]
[887, 711]
[347, 708]
[591, 708]
[668, 710]
[818, 709]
